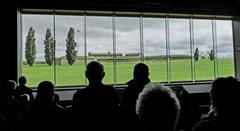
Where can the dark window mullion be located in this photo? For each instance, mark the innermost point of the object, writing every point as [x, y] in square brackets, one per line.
[141, 38]
[85, 43]
[192, 49]
[114, 50]
[54, 48]
[167, 49]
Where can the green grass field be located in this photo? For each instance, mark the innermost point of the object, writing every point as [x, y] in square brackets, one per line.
[180, 70]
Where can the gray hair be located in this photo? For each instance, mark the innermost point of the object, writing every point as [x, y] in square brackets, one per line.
[157, 103]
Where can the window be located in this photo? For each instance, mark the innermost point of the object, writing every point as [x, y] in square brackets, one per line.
[225, 59]
[35, 68]
[128, 45]
[203, 41]
[155, 48]
[175, 49]
[180, 53]
[99, 36]
[67, 74]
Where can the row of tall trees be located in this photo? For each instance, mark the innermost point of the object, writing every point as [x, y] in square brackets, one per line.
[71, 52]
[49, 47]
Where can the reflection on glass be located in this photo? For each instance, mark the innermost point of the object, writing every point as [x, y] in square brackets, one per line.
[203, 40]
[40, 70]
[155, 48]
[100, 44]
[225, 48]
[127, 47]
[180, 55]
[67, 74]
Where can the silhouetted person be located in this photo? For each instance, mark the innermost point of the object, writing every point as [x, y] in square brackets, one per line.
[225, 113]
[96, 106]
[130, 94]
[9, 87]
[45, 114]
[190, 113]
[56, 98]
[4, 126]
[9, 107]
[23, 89]
[158, 108]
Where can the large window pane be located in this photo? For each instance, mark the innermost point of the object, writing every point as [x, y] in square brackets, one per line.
[225, 48]
[100, 43]
[203, 40]
[180, 55]
[40, 70]
[67, 73]
[128, 45]
[155, 48]
[209, 55]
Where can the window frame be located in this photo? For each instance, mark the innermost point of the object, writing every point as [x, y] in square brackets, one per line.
[141, 16]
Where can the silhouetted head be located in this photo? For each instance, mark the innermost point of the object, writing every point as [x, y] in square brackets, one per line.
[225, 95]
[10, 86]
[140, 71]
[158, 107]
[95, 72]
[45, 91]
[7, 88]
[22, 80]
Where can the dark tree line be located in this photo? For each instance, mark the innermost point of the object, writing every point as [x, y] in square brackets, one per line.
[196, 55]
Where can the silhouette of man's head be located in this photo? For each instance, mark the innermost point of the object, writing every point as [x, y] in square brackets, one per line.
[95, 72]
[225, 94]
[45, 91]
[9, 87]
[158, 107]
[140, 71]
[22, 80]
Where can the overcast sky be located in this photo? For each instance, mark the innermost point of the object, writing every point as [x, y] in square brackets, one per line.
[100, 34]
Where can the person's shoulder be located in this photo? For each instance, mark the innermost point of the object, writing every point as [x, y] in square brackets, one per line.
[18, 88]
[205, 125]
[28, 89]
[59, 108]
[108, 87]
[131, 82]
[79, 93]
[23, 88]
[131, 85]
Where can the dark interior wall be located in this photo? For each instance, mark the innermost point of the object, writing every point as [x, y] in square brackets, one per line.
[227, 7]
[236, 39]
[8, 38]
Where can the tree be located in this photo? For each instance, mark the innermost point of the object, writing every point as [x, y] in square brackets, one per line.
[212, 55]
[30, 48]
[71, 53]
[196, 54]
[49, 47]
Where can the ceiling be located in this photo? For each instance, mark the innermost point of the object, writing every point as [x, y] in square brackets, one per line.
[210, 7]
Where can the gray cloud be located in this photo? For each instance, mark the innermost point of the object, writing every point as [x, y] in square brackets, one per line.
[125, 24]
